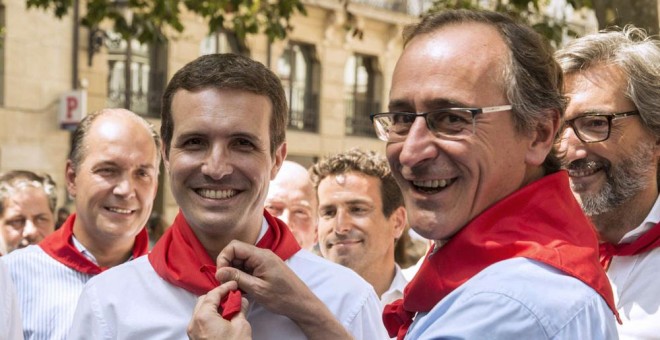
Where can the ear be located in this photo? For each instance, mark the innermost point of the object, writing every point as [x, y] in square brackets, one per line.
[399, 218]
[280, 155]
[166, 161]
[543, 139]
[70, 176]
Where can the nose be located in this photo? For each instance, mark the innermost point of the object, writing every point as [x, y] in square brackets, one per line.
[216, 164]
[570, 146]
[342, 222]
[418, 145]
[125, 187]
[30, 231]
[286, 217]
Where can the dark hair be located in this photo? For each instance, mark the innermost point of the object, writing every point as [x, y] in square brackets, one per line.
[532, 78]
[77, 154]
[227, 71]
[18, 179]
[369, 163]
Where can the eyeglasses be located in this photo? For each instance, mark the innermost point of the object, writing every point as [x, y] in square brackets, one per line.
[594, 127]
[450, 123]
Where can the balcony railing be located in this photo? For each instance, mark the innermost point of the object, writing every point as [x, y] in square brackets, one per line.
[304, 112]
[411, 7]
[357, 117]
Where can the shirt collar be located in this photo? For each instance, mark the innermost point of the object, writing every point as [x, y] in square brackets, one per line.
[83, 250]
[395, 291]
[651, 220]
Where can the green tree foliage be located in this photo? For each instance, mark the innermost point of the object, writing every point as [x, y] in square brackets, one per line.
[147, 20]
[529, 11]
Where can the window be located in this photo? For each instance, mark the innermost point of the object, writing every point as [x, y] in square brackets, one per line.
[363, 88]
[143, 81]
[222, 42]
[299, 71]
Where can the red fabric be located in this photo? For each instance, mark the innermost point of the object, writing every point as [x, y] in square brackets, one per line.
[541, 221]
[180, 259]
[649, 241]
[59, 245]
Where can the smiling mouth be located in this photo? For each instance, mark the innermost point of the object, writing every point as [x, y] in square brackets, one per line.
[216, 194]
[587, 169]
[433, 186]
[343, 243]
[120, 210]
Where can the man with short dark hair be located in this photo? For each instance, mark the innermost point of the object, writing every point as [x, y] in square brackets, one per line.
[361, 217]
[223, 127]
[611, 142]
[112, 174]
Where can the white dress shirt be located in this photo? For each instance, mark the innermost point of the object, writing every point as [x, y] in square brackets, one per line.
[636, 285]
[10, 316]
[132, 301]
[518, 298]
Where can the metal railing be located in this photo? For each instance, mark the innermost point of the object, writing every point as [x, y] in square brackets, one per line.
[357, 117]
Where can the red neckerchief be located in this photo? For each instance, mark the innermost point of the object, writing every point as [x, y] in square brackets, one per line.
[541, 221]
[647, 242]
[59, 245]
[180, 259]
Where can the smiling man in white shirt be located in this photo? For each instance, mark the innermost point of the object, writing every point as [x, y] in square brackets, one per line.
[611, 141]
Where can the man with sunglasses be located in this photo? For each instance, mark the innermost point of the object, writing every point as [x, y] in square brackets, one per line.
[610, 142]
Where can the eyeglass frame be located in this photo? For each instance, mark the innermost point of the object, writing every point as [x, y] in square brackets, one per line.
[610, 117]
[474, 111]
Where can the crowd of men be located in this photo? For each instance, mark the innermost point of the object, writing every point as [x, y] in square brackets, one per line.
[534, 174]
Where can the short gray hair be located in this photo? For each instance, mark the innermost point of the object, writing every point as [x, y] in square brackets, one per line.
[635, 53]
[12, 181]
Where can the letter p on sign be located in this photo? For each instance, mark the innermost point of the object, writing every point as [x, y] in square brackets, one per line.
[73, 106]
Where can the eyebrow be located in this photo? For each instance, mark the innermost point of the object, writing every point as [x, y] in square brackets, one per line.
[436, 103]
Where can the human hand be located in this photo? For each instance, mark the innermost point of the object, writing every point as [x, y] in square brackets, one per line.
[271, 283]
[262, 275]
[208, 324]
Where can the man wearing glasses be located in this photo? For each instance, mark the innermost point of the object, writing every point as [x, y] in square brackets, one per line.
[610, 141]
[474, 109]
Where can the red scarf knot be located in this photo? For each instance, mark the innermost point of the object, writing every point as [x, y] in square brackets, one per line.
[59, 245]
[647, 242]
[541, 221]
[181, 259]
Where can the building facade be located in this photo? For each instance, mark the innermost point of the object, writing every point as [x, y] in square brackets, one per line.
[333, 79]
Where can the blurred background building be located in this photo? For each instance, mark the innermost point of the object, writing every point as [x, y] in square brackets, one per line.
[335, 66]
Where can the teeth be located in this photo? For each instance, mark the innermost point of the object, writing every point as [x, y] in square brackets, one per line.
[120, 211]
[436, 183]
[216, 194]
[581, 173]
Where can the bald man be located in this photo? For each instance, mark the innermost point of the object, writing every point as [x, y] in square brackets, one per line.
[291, 198]
[112, 173]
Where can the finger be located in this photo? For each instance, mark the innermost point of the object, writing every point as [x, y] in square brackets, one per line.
[212, 299]
[245, 305]
[240, 323]
[234, 254]
[244, 281]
